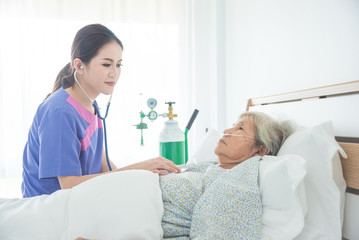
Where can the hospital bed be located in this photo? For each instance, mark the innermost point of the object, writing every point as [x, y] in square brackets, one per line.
[304, 197]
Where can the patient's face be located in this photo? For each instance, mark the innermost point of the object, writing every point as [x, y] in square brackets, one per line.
[236, 149]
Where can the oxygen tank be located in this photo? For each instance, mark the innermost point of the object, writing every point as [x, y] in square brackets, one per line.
[172, 139]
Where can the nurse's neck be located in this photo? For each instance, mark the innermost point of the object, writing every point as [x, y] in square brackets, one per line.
[76, 93]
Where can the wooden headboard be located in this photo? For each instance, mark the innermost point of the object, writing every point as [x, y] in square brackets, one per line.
[349, 144]
[351, 164]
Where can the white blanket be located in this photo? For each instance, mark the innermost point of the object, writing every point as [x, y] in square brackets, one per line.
[121, 205]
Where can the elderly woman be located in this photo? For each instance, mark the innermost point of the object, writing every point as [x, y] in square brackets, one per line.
[221, 200]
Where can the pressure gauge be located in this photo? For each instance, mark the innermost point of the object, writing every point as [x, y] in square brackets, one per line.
[152, 103]
[152, 115]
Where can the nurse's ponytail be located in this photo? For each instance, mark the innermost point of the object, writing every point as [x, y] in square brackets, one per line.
[86, 44]
[65, 79]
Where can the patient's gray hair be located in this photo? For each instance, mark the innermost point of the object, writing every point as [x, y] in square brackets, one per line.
[269, 132]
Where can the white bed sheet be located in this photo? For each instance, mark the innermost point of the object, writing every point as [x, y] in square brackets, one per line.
[122, 205]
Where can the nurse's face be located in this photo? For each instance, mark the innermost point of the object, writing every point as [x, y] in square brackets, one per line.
[101, 74]
[236, 149]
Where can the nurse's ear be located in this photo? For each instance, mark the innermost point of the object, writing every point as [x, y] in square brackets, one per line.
[78, 65]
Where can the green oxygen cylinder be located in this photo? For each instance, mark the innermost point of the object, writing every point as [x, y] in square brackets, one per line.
[172, 139]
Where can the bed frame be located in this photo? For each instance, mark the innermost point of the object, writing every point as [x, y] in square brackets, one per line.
[349, 144]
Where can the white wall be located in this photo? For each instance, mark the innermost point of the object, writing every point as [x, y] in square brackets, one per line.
[208, 67]
[279, 46]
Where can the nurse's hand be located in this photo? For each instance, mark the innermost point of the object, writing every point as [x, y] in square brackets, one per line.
[158, 165]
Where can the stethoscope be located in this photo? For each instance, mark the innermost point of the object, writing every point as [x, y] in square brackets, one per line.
[94, 104]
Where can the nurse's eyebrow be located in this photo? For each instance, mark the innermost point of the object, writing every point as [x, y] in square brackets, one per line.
[109, 59]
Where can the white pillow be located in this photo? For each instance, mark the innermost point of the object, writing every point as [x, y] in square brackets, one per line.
[325, 185]
[283, 196]
[119, 205]
[205, 150]
[282, 188]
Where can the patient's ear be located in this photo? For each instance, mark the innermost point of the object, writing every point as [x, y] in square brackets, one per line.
[262, 150]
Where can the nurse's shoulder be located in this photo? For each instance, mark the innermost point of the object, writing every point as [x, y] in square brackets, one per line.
[54, 107]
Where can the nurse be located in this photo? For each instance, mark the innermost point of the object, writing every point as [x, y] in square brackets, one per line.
[65, 141]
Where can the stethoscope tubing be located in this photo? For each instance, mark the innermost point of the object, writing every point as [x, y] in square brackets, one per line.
[99, 115]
